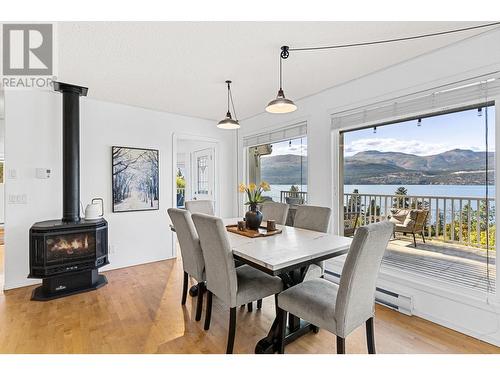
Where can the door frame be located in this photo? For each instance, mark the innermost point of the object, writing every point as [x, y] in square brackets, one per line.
[215, 144]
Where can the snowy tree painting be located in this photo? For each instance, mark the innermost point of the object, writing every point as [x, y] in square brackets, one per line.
[135, 179]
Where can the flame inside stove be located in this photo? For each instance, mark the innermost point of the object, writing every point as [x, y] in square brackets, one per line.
[69, 245]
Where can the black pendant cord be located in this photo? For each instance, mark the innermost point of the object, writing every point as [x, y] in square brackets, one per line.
[285, 49]
[230, 97]
[281, 72]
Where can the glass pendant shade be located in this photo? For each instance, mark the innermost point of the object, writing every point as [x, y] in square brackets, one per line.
[281, 104]
[228, 123]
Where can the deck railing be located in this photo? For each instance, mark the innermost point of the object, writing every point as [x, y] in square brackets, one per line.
[462, 220]
[301, 196]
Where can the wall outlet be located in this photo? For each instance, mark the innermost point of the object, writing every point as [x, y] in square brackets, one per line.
[112, 249]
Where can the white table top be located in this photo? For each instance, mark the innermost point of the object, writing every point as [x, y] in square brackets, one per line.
[291, 247]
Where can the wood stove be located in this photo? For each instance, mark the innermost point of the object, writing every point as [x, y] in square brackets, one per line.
[66, 253]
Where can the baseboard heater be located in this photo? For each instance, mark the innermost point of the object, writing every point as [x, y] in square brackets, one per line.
[395, 301]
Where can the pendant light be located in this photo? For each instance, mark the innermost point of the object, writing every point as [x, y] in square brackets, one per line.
[281, 104]
[228, 122]
[284, 105]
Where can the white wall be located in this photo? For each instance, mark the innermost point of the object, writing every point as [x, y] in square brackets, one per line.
[471, 57]
[33, 139]
[2, 140]
[2, 144]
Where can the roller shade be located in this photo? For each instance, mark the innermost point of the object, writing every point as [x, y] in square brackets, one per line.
[289, 132]
[430, 102]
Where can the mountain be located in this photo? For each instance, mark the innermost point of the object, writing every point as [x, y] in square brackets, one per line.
[453, 160]
[453, 167]
[399, 159]
[283, 169]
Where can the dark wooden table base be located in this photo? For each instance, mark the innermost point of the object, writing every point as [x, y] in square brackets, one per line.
[193, 291]
[296, 327]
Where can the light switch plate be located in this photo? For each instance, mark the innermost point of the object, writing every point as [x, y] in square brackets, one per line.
[43, 173]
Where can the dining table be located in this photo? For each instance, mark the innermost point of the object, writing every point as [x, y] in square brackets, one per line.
[287, 255]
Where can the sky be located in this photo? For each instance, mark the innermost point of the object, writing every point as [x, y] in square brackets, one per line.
[293, 147]
[464, 130]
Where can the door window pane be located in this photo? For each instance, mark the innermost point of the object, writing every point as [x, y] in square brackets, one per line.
[202, 170]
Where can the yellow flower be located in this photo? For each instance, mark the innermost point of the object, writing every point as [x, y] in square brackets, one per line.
[242, 188]
[265, 186]
[252, 187]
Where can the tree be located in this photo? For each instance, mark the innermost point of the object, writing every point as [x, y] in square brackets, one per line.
[470, 233]
[401, 201]
[354, 202]
[180, 182]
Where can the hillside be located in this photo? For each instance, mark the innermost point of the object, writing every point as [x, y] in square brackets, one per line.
[453, 167]
[283, 169]
[453, 160]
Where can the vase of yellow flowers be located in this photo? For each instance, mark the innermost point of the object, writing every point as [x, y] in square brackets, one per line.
[253, 217]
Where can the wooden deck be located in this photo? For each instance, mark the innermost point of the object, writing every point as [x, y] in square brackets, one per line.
[450, 263]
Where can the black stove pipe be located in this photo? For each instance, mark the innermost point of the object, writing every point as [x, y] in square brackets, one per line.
[71, 149]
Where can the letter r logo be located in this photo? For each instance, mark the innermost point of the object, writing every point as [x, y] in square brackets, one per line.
[27, 49]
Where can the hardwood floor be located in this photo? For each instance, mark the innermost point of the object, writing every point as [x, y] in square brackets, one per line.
[139, 311]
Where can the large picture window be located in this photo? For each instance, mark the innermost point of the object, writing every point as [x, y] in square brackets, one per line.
[284, 166]
[434, 178]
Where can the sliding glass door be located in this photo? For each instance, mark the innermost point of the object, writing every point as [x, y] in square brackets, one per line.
[434, 177]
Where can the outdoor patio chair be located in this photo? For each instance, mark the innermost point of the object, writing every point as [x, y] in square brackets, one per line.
[410, 221]
[350, 223]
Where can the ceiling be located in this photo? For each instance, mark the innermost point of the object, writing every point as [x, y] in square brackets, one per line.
[180, 67]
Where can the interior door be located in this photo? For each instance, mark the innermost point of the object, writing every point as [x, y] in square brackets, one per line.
[203, 174]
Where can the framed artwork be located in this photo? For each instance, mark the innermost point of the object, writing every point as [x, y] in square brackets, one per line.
[135, 179]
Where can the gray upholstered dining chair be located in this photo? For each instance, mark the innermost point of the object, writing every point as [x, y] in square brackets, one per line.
[192, 257]
[207, 207]
[275, 211]
[342, 308]
[315, 218]
[200, 207]
[234, 286]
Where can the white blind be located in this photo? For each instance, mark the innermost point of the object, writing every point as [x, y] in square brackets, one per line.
[289, 132]
[414, 105]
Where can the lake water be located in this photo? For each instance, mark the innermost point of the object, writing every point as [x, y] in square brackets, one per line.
[472, 191]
